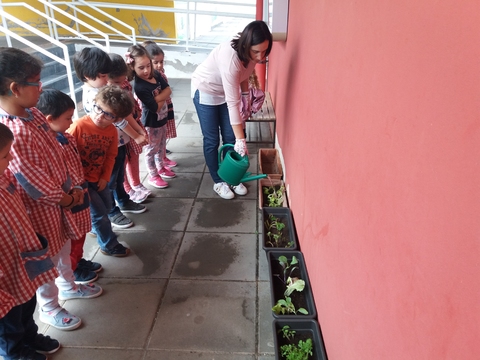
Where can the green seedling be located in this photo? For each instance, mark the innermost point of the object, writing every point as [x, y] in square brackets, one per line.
[274, 227]
[287, 333]
[285, 307]
[274, 197]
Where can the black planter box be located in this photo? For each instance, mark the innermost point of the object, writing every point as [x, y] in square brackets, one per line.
[277, 287]
[304, 329]
[288, 233]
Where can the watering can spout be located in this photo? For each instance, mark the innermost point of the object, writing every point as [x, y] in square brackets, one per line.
[232, 168]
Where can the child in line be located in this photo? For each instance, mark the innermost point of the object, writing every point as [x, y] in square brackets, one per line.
[158, 58]
[152, 90]
[58, 109]
[132, 184]
[97, 141]
[92, 66]
[19, 337]
[42, 179]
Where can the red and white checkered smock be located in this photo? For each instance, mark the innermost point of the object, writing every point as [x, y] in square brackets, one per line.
[16, 236]
[40, 171]
[75, 169]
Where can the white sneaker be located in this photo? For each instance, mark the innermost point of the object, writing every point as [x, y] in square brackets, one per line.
[223, 190]
[240, 189]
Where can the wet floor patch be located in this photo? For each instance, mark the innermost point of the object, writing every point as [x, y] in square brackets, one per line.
[209, 255]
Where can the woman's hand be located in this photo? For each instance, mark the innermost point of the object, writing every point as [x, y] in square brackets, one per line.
[241, 147]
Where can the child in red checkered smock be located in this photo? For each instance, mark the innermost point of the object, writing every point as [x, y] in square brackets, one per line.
[41, 175]
[158, 59]
[132, 184]
[58, 109]
[24, 266]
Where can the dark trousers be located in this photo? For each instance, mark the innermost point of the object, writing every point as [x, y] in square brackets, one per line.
[116, 182]
[18, 329]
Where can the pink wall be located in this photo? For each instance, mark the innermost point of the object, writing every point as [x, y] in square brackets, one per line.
[378, 107]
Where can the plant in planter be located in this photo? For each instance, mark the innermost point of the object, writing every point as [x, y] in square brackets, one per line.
[300, 351]
[291, 293]
[285, 306]
[272, 193]
[298, 340]
[278, 230]
[275, 195]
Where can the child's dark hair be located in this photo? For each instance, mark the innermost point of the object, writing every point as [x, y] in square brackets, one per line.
[135, 51]
[6, 135]
[54, 102]
[16, 66]
[91, 61]
[117, 99]
[119, 67]
[254, 33]
[152, 48]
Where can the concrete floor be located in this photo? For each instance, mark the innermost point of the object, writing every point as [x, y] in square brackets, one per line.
[195, 285]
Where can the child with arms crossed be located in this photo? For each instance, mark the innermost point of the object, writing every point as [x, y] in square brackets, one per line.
[152, 90]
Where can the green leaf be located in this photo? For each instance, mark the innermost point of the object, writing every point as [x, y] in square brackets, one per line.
[294, 284]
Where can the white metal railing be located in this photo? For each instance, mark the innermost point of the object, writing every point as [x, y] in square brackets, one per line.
[200, 7]
[66, 57]
[94, 9]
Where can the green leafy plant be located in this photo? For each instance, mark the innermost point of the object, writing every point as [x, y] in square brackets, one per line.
[274, 227]
[300, 351]
[285, 307]
[287, 332]
[275, 196]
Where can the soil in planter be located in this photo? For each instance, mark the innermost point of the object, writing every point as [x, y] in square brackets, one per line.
[265, 196]
[298, 297]
[284, 241]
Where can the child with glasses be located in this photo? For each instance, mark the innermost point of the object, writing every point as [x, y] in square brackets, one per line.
[92, 66]
[41, 176]
[97, 141]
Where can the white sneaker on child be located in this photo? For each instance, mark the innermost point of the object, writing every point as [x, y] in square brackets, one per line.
[137, 196]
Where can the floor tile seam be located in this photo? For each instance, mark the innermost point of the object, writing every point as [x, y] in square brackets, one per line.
[201, 351]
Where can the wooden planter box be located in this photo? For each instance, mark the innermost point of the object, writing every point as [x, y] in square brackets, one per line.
[263, 183]
[289, 239]
[304, 329]
[270, 164]
[300, 299]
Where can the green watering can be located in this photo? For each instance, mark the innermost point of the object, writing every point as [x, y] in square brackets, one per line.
[233, 168]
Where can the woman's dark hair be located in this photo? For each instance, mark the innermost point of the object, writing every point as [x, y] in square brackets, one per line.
[119, 67]
[91, 61]
[117, 99]
[152, 48]
[6, 135]
[54, 102]
[135, 51]
[254, 33]
[16, 66]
